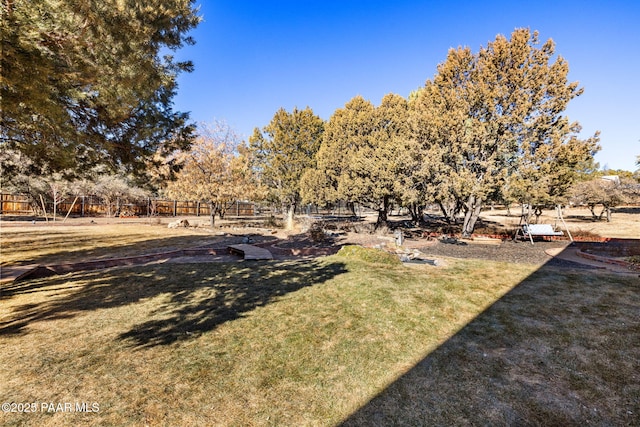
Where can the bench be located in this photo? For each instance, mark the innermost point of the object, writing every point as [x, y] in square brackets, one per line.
[250, 252]
[540, 230]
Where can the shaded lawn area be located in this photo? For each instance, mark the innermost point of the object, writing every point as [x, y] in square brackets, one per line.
[559, 349]
[312, 342]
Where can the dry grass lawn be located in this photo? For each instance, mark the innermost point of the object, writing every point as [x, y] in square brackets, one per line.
[559, 349]
[311, 342]
[55, 243]
[274, 343]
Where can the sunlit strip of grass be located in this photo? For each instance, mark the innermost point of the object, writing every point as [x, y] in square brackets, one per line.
[273, 343]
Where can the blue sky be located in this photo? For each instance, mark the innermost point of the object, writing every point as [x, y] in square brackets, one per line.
[253, 57]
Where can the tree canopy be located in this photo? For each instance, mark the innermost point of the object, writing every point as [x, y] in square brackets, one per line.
[283, 150]
[215, 170]
[359, 159]
[91, 82]
[86, 82]
[491, 125]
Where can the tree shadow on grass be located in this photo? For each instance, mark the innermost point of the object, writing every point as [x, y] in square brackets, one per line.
[197, 298]
[627, 209]
[59, 247]
[561, 348]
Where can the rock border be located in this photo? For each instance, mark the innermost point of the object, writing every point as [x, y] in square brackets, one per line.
[607, 260]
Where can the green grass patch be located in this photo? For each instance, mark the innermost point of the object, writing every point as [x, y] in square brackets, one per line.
[368, 254]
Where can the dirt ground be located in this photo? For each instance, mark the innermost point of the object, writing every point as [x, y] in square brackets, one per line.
[320, 236]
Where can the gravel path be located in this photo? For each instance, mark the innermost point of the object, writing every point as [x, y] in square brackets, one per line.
[508, 251]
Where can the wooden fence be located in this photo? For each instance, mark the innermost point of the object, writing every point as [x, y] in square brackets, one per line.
[18, 204]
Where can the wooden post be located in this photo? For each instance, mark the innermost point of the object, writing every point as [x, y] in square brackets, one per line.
[175, 208]
[44, 208]
[559, 209]
[72, 205]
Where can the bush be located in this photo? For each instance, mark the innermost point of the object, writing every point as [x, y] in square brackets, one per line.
[273, 222]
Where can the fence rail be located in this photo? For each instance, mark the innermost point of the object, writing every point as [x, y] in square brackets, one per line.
[20, 204]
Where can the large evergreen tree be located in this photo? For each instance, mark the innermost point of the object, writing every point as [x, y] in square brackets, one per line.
[282, 151]
[362, 155]
[347, 133]
[84, 82]
[492, 123]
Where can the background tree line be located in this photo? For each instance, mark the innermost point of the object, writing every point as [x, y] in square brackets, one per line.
[488, 127]
[51, 190]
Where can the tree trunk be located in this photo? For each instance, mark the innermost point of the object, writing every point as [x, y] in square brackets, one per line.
[417, 213]
[290, 214]
[449, 211]
[352, 208]
[537, 212]
[54, 194]
[472, 213]
[108, 206]
[382, 213]
[212, 214]
[382, 218]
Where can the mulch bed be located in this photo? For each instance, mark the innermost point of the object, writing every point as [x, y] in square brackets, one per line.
[519, 252]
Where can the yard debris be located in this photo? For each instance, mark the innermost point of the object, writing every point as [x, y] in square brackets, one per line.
[178, 223]
[414, 256]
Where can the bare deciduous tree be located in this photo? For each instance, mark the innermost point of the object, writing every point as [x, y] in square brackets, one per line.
[215, 170]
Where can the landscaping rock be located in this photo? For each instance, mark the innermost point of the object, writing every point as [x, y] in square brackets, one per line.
[178, 224]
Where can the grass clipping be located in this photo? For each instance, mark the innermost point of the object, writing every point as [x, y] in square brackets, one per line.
[372, 255]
